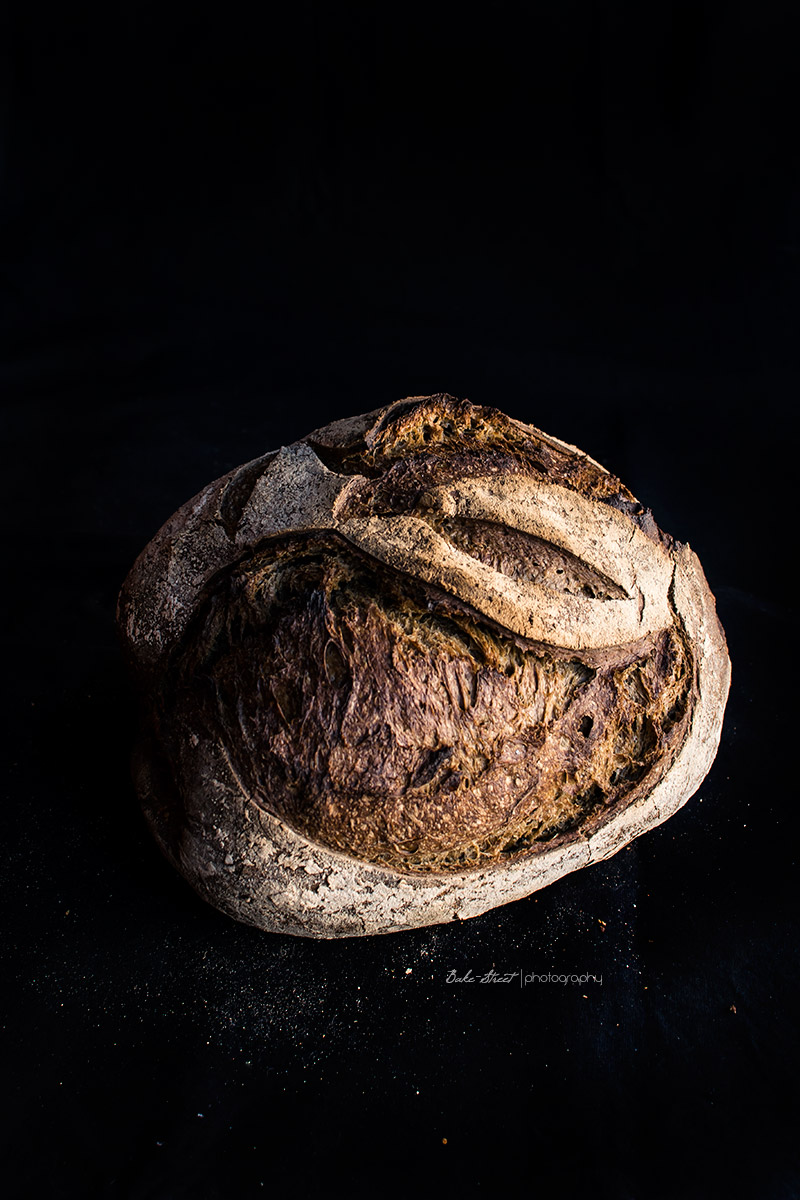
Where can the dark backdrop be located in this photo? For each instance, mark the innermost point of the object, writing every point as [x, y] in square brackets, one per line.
[221, 229]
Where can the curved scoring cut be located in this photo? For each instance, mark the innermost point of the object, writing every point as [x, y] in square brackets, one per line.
[532, 610]
[602, 537]
[297, 493]
[605, 540]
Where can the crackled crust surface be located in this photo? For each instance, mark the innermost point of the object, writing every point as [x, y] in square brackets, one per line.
[429, 652]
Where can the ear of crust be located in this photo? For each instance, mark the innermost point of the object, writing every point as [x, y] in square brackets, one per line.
[345, 432]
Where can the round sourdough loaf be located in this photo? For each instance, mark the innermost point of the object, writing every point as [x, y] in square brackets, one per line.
[418, 664]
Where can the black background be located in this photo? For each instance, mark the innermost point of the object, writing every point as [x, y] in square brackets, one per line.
[222, 229]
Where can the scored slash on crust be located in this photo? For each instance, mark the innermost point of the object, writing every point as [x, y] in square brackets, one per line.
[298, 493]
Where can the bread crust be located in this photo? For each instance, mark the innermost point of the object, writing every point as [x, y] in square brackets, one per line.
[457, 501]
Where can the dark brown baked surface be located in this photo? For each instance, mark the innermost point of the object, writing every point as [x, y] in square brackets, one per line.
[420, 739]
[384, 718]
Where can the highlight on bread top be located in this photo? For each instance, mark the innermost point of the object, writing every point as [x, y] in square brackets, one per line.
[418, 664]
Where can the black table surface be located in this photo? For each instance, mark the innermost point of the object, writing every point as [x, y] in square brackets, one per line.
[218, 236]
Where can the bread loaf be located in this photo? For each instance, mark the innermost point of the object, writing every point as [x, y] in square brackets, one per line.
[416, 665]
